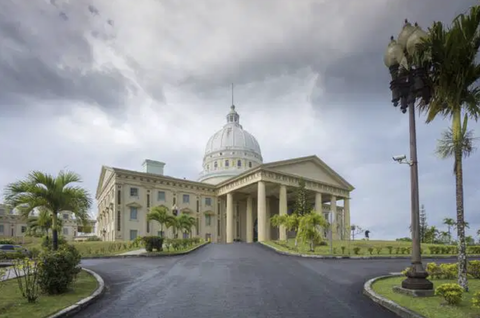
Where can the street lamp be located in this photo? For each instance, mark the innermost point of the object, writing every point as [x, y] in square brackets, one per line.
[409, 83]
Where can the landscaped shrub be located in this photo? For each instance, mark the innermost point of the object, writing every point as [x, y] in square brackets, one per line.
[58, 269]
[405, 271]
[433, 250]
[434, 271]
[11, 256]
[47, 241]
[397, 250]
[27, 270]
[7, 241]
[390, 249]
[93, 239]
[452, 293]
[334, 250]
[370, 250]
[343, 250]
[137, 242]
[378, 250]
[356, 250]
[153, 242]
[476, 300]
[473, 268]
[449, 271]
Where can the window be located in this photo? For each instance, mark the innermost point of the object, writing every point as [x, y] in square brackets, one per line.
[134, 192]
[250, 164]
[133, 213]
[186, 198]
[23, 229]
[119, 218]
[174, 200]
[161, 196]
[2, 228]
[148, 227]
[208, 201]
[218, 227]
[119, 197]
[198, 205]
[215, 165]
[208, 220]
[197, 226]
[239, 163]
[65, 231]
[227, 163]
[160, 233]
[65, 216]
[208, 167]
[133, 234]
[148, 200]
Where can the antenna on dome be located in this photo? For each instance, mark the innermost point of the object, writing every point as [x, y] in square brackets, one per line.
[232, 95]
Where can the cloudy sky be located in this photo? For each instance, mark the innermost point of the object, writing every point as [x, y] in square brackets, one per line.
[87, 83]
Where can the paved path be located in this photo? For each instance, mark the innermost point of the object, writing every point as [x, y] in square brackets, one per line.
[135, 252]
[237, 280]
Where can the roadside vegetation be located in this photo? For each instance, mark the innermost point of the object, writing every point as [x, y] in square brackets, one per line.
[450, 300]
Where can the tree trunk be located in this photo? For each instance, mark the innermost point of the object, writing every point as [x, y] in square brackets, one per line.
[462, 249]
[54, 232]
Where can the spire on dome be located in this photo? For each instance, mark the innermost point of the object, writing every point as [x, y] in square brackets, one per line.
[233, 117]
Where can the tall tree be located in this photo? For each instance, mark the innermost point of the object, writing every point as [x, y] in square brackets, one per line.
[423, 223]
[310, 229]
[449, 54]
[54, 194]
[161, 216]
[301, 206]
[355, 230]
[42, 223]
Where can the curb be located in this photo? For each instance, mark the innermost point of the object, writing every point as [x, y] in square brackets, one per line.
[387, 303]
[352, 257]
[147, 255]
[85, 301]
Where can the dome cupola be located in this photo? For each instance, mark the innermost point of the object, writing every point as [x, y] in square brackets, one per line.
[230, 151]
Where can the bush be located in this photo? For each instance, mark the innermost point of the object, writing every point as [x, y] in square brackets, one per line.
[356, 250]
[390, 249]
[93, 239]
[7, 241]
[370, 250]
[27, 272]
[434, 271]
[47, 241]
[58, 269]
[473, 269]
[153, 242]
[343, 250]
[179, 244]
[449, 271]
[476, 300]
[378, 250]
[452, 293]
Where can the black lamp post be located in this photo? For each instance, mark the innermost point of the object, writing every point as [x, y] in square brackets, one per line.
[408, 84]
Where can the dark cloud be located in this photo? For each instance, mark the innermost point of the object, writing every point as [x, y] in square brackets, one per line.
[46, 57]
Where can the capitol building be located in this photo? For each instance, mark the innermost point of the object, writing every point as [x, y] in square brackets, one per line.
[233, 199]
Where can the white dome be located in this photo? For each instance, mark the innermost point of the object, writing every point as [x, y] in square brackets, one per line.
[230, 151]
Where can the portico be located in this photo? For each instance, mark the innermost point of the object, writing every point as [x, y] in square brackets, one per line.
[252, 198]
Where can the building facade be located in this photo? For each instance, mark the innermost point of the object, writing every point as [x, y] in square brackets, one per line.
[234, 198]
[14, 226]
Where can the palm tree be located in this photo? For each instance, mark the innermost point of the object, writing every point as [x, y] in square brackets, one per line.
[450, 223]
[310, 228]
[445, 236]
[185, 223]
[160, 215]
[42, 223]
[54, 194]
[449, 54]
[291, 222]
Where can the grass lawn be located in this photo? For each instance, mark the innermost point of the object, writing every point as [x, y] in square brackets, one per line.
[430, 306]
[96, 248]
[359, 248]
[13, 305]
[173, 252]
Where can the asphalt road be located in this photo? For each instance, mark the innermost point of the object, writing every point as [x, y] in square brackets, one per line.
[237, 280]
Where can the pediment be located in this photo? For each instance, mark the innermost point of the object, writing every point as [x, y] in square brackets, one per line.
[209, 212]
[133, 205]
[310, 168]
[105, 175]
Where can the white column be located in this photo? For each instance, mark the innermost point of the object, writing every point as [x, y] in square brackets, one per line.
[346, 216]
[318, 203]
[268, 214]
[229, 218]
[249, 219]
[262, 212]
[283, 211]
[333, 207]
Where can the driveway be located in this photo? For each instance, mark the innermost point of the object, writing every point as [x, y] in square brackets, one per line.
[237, 280]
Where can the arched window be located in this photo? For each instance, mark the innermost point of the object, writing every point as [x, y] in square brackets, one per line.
[208, 167]
[227, 163]
[250, 164]
[215, 165]
[239, 163]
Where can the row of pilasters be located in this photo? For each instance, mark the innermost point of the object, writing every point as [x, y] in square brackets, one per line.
[263, 215]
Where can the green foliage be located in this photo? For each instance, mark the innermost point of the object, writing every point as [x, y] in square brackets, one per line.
[94, 239]
[370, 250]
[378, 250]
[343, 249]
[452, 293]
[434, 271]
[476, 300]
[153, 242]
[27, 272]
[58, 269]
[449, 271]
[180, 244]
[356, 250]
[390, 249]
[7, 241]
[301, 206]
[473, 269]
[309, 229]
[47, 242]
